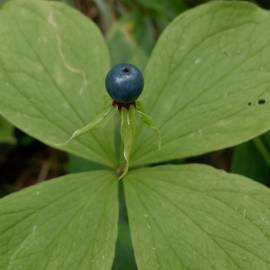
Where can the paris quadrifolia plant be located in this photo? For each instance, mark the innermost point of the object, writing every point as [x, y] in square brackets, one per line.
[124, 84]
[206, 87]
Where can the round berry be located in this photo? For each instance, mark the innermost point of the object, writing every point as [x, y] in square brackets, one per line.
[124, 83]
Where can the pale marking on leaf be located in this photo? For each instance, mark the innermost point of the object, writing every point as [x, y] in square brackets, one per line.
[264, 221]
[197, 61]
[128, 120]
[65, 106]
[21, 247]
[69, 67]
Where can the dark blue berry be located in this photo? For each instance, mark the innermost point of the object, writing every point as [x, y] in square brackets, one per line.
[124, 83]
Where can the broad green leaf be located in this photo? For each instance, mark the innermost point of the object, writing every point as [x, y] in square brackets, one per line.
[207, 85]
[194, 217]
[6, 132]
[250, 161]
[53, 62]
[67, 223]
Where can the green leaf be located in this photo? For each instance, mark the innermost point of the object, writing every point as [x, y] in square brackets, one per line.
[139, 26]
[248, 160]
[130, 52]
[196, 217]
[148, 121]
[67, 223]
[6, 132]
[53, 61]
[207, 84]
[2, 2]
[97, 122]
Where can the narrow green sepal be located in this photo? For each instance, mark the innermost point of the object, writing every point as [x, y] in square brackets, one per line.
[97, 122]
[147, 119]
[127, 131]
